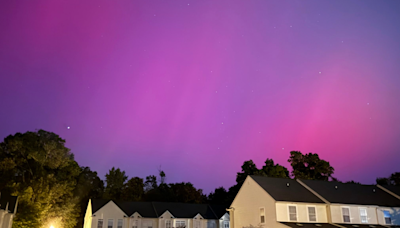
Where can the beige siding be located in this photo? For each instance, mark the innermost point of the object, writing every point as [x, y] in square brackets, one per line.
[336, 212]
[282, 211]
[108, 211]
[394, 215]
[247, 204]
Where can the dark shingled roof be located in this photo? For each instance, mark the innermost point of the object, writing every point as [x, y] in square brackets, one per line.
[361, 226]
[279, 190]
[394, 189]
[11, 200]
[336, 192]
[309, 225]
[156, 209]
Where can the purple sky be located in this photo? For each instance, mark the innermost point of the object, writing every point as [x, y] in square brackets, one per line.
[198, 87]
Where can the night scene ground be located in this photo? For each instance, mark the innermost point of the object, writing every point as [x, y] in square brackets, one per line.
[199, 87]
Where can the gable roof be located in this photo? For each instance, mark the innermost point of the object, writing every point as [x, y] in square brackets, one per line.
[348, 193]
[10, 200]
[285, 189]
[219, 210]
[394, 189]
[156, 209]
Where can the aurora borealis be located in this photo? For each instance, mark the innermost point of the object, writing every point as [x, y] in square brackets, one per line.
[198, 87]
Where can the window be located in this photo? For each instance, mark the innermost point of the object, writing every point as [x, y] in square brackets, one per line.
[110, 223]
[100, 223]
[135, 224]
[292, 213]
[180, 223]
[226, 224]
[388, 219]
[120, 222]
[312, 214]
[168, 224]
[147, 224]
[210, 224]
[262, 215]
[346, 214]
[363, 215]
[197, 224]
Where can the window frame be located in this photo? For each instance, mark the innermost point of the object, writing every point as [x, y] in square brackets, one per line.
[170, 223]
[341, 211]
[180, 221]
[108, 223]
[288, 210]
[226, 222]
[384, 217]
[308, 213]
[366, 215]
[102, 223]
[262, 215]
[212, 222]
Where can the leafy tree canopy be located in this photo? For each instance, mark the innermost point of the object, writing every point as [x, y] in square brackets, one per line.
[393, 179]
[310, 166]
[115, 179]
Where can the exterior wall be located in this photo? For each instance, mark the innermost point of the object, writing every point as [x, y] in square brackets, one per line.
[282, 212]
[108, 211]
[246, 207]
[222, 220]
[337, 217]
[87, 221]
[394, 213]
[2, 213]
[7, 220]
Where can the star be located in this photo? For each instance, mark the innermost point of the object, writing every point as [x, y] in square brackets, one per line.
[320, 72]
[367, 103]
[68, 127]
[222, 123]
[283, 148]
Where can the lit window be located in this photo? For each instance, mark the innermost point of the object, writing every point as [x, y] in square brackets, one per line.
[100, 223]
[312, 215]
[262, 215]
[388, 219]
[168, 224]
[292, 213]
[363, 215]
[210, 224]
[180, 224]
[226, 224]
[120, 222]
[110, 223]
[346, 214]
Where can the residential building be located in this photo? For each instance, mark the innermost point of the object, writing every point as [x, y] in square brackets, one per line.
[115, 214]
[8, 208]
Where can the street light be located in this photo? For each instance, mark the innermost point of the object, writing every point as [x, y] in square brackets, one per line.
[51, 226]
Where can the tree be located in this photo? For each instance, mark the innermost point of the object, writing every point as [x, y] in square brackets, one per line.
[219, 196]
[248, 168]
[393, 179]
[133, 189]
[150, 183]
[272, 170]
[115, 183]
[186, 193]
[310, 166]
[41, 171]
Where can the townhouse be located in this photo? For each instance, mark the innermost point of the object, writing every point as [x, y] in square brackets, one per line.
[282, 202]
[115, 214]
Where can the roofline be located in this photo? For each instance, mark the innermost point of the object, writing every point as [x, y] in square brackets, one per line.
[312, 191]
[212, 211]
[388, 191]
[114, 204]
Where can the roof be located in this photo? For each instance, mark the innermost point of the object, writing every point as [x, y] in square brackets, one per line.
[285, 189]
[362, 226]
[11, 200]
[394, 189]
[348, 193]
[309, 225]
[156, 209]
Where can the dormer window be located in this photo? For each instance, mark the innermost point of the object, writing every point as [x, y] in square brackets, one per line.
[388, 219]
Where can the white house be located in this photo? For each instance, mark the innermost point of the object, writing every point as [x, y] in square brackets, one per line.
[8, 208]
[276, 202]
[358, 204]
[110, 214]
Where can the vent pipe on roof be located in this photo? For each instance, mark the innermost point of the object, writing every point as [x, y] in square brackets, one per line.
[287, 184]
[336, 186]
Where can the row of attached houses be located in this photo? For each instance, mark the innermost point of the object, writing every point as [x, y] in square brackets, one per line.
[8, 208]
[114, 214]
[281, 203]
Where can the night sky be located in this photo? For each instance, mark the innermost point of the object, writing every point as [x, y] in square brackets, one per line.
[198, 87]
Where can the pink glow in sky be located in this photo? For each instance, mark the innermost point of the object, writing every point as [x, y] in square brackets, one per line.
[198, 87]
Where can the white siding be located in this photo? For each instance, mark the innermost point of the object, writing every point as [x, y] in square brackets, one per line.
[247, 205]
[282, 212]
[336, 213]
[108, 211]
